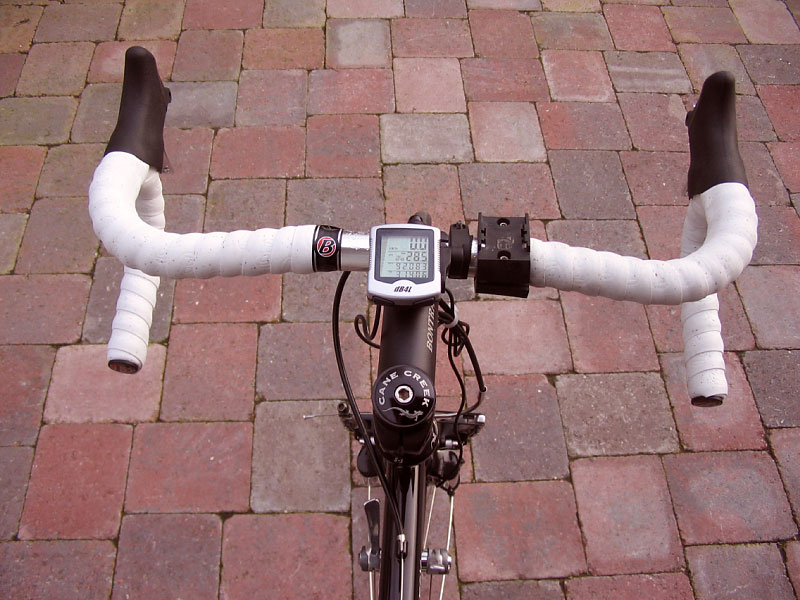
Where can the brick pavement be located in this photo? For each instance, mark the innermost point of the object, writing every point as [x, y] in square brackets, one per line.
[199, 478]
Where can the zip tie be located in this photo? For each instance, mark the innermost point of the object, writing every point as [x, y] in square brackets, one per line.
[454, 322]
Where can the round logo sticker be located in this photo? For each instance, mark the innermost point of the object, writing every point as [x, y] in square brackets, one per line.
[326, 246]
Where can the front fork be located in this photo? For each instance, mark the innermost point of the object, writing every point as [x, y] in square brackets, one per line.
[405, 429]
[399, 564]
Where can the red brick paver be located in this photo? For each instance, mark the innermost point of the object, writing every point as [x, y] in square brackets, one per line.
[583, 126]
[786, 447]
[77, 483]
[781, 103]
[144, 19]
[528, 426]
[638, 28]
[521, 322]
[530, 529]
[600, 346]
[502, 34]
[224, 299]
[42, 309]
[702, 24]
[55, 69]
[257, 547]
[502, 188]
[284, 48]
[655, 121]
[739, 572]
[766, 22]
[350, 91]
[84, 390]
[572, 31]
[328, 156]
[216, 364]
[503, 79]
[10, 69]
[577, 76]
[58, 238]
[647, 541]
[19, 170]
[431, 38]
[662, 586]
[429, 85]
[238, 152]
[57, 569]
[15, 469]
[407, 186]
[25, 378]
[208, 55]
[739, 428]
[109, 59]
[190, 467]
[207, 14]
[771, 378]
[728, 497]
[758, 287]
[177, 554]
[19, 26]
[188, 158]
[77, 22]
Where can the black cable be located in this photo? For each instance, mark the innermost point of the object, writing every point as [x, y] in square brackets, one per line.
[348, 391]
[459, 341]
[363, 330]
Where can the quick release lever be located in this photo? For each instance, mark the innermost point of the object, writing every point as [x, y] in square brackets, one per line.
[370, 556]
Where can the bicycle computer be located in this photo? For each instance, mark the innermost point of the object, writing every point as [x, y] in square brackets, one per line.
[404, 264]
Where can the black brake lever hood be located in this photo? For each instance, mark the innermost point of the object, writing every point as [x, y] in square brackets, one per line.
[713, 145]
[142, 110]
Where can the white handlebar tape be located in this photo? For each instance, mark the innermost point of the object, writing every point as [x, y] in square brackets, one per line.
[702, 351]
[702, 330]
[720, 234]
[127, 209]
[726, 249]
[130, 329]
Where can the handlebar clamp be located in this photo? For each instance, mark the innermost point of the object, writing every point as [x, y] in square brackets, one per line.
[504, 256]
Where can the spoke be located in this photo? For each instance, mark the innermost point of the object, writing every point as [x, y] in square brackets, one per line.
[430, 514]
[450, 522]
[449, 532]
[371, 573]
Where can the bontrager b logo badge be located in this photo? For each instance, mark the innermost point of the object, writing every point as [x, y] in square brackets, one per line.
[326, 246]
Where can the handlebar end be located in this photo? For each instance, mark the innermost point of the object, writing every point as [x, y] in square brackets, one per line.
[124, 366]
[708, 401]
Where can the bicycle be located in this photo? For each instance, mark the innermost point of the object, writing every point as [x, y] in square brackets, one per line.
[407, 445]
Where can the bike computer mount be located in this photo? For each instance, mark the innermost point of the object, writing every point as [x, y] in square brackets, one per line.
[404, 264]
